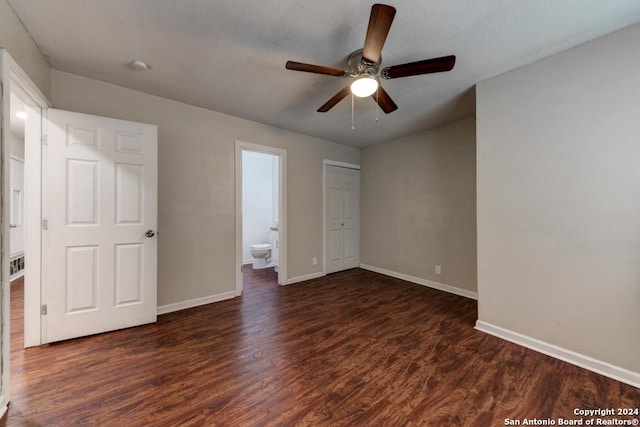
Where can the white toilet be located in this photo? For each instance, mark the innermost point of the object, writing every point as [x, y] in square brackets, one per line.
[261, 254]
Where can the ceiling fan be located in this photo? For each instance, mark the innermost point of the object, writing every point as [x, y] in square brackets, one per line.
[363, 64]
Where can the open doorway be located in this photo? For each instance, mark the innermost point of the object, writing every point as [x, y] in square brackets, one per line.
[16, 135]
[260, 212]
[260, 216]
[15, 144]
[23, 143]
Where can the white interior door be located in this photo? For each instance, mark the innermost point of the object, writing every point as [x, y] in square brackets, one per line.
[342, 213]
[100, 208]
[16, 213]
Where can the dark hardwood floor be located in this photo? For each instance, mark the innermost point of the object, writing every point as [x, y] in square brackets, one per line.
[351, 349]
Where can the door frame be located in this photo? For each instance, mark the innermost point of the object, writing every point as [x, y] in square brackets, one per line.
[325, 163]
[241, 146]
[13, 78]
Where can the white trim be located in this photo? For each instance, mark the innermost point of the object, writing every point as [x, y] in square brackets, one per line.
[24, 83]
[12, 78]
[324, 217]
[183, 305]
[424, 282]
[15, 256]
[282, 220]
[3, 407]
[247, 261]
[340, 164]
[35, 239]
[304, 278]
[598, 366]
[17, 81]
[18, 275]
[5, 344]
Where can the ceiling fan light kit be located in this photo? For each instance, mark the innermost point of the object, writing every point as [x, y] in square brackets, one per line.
[363, 65]
[364, 86]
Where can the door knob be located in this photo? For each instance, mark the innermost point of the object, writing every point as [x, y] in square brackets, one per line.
[13, 225]
[150, 233]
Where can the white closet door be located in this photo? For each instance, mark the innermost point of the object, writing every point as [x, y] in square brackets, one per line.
[342, 213]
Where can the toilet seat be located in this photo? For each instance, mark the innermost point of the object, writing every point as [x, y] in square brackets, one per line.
[260, 246]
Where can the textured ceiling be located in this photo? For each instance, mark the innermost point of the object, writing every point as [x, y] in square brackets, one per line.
[229, 55]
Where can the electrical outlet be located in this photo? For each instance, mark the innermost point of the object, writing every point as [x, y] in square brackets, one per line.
[438, 270]
[314, 260]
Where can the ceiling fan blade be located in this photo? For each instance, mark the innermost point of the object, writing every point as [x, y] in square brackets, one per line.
[379, 25]
[434, 65]
[333, 101]
[384, 101]
[318, 69]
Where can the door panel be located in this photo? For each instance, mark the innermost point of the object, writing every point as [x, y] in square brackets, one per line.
[129, 259]
[100, 197]
[349, 249]
[82, 192]
[334, 203]
[335, 246]
[342, 213]
[129, 190]
[82, 279]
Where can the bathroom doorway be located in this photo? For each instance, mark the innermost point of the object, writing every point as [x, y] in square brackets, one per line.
[260, 211]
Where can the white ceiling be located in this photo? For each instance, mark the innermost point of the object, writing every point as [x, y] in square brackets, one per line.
[229, 55]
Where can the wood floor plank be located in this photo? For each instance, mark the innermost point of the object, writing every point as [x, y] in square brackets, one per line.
[351, 349]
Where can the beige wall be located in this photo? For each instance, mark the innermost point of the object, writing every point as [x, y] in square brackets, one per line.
[196, 253]
[559, 199]
[15, 39]
[418, 205]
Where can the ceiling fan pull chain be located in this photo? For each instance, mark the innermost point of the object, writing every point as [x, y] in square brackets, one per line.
[353, 123]
[377, 102]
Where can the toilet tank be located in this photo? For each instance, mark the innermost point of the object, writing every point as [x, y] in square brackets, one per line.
[275, 251]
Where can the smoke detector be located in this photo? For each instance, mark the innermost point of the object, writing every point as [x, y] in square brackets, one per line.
[139, 65]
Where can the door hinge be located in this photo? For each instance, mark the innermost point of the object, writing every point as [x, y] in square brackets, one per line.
[45, 224]
[45, 139]
[43, 309]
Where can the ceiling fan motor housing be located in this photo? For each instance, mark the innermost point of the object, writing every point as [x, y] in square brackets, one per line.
[358, 65]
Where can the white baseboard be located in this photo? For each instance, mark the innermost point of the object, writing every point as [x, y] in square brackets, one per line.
[16, 276]
[247, 261]
[586, 362]
[424, 282]
[4, 405]
[182, 305]
[298, 279]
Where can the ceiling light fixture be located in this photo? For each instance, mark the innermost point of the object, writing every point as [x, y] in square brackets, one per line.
[139, 65]
[364, 86]
[21, 115]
